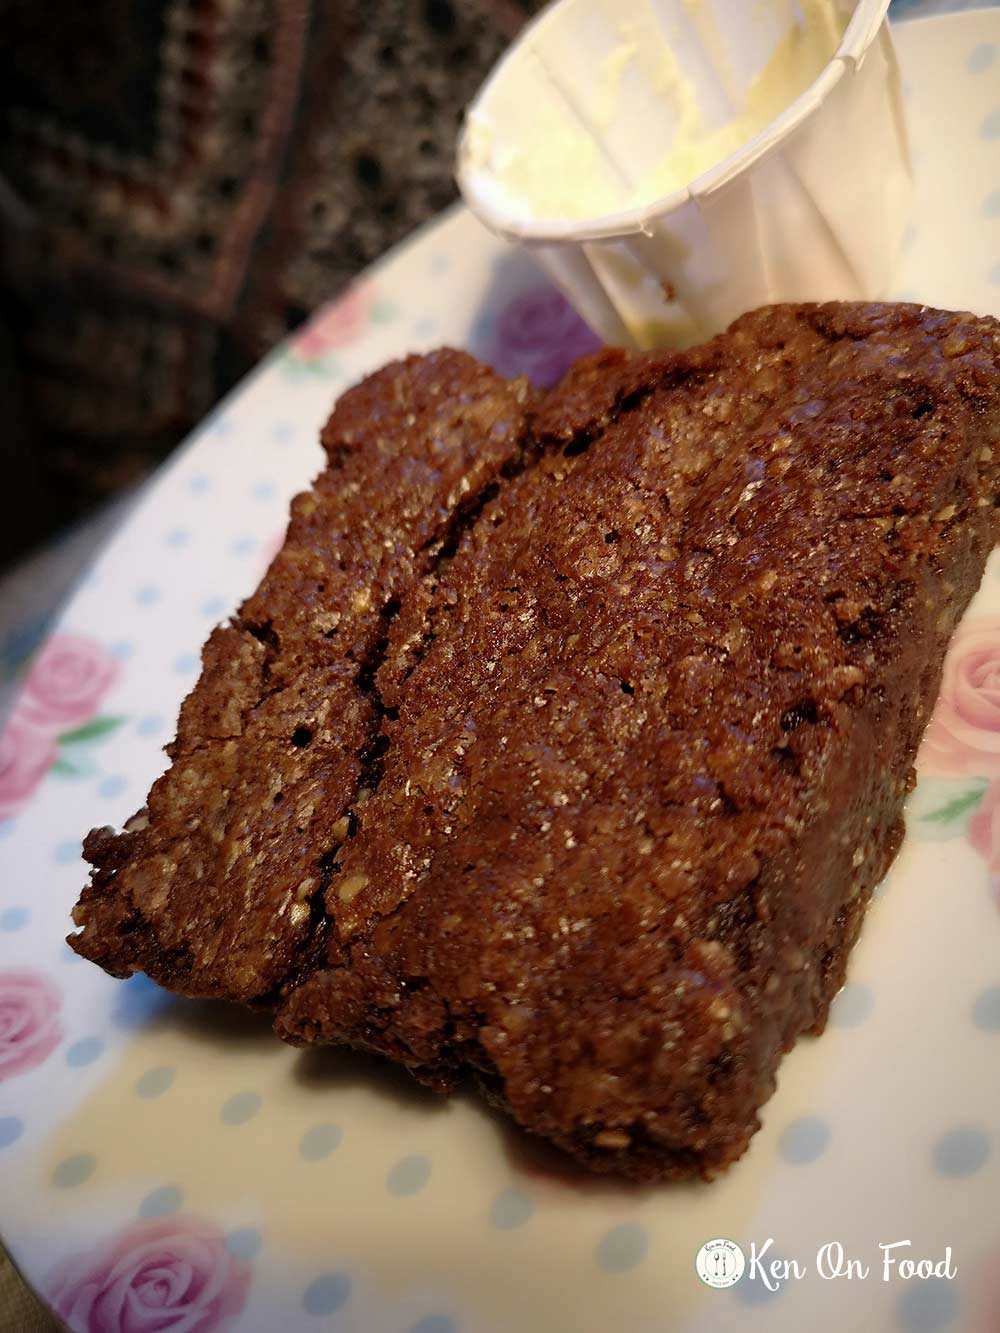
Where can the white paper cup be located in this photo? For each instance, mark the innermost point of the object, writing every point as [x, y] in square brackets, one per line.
[811, 206]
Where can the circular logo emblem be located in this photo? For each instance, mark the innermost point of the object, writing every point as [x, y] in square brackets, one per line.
[720, 1263]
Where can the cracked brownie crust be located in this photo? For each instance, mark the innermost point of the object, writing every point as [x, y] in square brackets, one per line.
[566, 737]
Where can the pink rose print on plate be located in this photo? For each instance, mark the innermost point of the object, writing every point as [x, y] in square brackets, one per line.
[271, 548]
[172, 1275]
[66, 682]
[29, 1020]
[26, 755]
[540, 335]
[986, 1294]
[337, 325]
[963, 738]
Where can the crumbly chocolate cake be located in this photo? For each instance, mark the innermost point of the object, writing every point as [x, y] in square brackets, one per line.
[566, 737]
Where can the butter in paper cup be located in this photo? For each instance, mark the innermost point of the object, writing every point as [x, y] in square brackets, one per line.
[674, 163]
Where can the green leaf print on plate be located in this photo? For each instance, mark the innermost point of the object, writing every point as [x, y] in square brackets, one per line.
[96, 729]
[941, 808]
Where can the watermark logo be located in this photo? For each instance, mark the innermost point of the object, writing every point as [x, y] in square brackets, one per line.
[720, 1263]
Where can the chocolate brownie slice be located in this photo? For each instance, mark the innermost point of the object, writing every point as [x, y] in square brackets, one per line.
[588, 791]
[216, 888]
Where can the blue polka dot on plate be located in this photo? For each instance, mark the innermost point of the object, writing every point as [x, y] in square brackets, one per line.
[990, 128]
[214, 606]
[240, 1108]
[991, 205]
[319, 1142]
[74, 1170]
[7, 827]
[112, 786]
[424, 327]
[177, 537]
[244, 1243]
[282, 432]
[981, 57]
[804, 1140]
[263, 490]
[149, 725]
[137, 1001]
[409, 1175]
[147, 594]
[198, 484]
[221, 425]
[155, 1082]
[160, 1202]
[962, 1151]
[853, 1005]
[754, 1290]
[622, 1248]
[986, 1010]
[186, 663]
[11, 1129]
[511, 1209]
[434, 1323]
[13, 918]
[68, 850]
[326, 1294]
[245, 545]
[84, 1052]
[927, 1304]
[122, 649]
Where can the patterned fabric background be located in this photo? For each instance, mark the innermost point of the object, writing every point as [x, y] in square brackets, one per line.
[183, 182]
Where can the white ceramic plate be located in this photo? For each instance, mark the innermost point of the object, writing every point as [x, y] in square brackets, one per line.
[170, 1166]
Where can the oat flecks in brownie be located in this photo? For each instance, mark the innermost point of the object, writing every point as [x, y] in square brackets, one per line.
[609, 763]
[220, 892]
